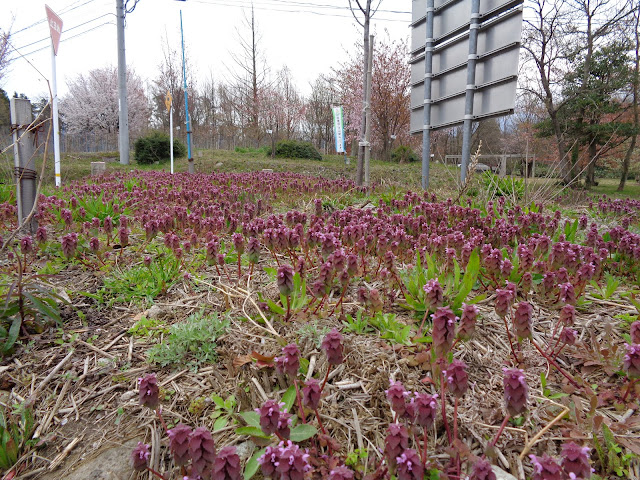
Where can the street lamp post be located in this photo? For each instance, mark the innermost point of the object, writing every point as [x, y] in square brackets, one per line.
[186, 98]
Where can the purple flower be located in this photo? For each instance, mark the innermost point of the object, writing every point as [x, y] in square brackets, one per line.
[202, 450]
[396, 395]
[179, 443]
[293, 462]
[140, 457]
[213, 248]
[516, 392]
[375, 301]
[238, 243]
[284, 425]
[567, 315]
[457, 378]
[253, 250]
[333, 347]
[568, 336]
[123, 235]
[468, 319]
[525, 283]
[423, 409]
[26, 244]
[433, 294]
[634, 331]
[226, 465]
[94, 244]
[149, 390]
[69, 244]
[41, 235]
[284, 279]
[269, 416]
[147, 260]
[482, 471]
[631, 363]
[269, 461]
[504, 297]
[444, 330]
[341, 473]
[289, 362]
[311, 393]
[567, 293]
[575, 459]
[396, 441]
[409, 466]
[107, 225]
[546, 468]
[522, 320]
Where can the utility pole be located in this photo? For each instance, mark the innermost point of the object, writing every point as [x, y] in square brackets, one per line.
[123, 119]
[367, 131]
[24, 138]
[186, 102]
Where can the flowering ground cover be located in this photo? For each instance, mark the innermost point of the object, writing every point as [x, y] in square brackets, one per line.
[277, 325]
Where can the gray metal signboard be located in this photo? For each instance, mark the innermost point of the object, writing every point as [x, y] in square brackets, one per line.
[466, 54]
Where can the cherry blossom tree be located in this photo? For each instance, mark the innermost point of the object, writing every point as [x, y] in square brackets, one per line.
[92, 102]
[390, 96]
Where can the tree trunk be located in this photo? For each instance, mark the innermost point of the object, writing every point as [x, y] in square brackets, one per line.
[636, 123]
[590, 180]
[360, 166]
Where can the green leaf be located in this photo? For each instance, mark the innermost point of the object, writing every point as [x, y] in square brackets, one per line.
[289, 398]
[252, 432]
[43, 307]
[14, 331]
[302, 432]
[220, 423]
[469, 279]
[275, 308]
[252, 465]
[252, 418]
[218, 401]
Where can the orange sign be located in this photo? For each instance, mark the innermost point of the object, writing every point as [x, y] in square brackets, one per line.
[167, 101]
[55, 28]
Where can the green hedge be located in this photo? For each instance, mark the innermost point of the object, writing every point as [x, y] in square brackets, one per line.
[404, 154]
[156, 147]
[295, 149]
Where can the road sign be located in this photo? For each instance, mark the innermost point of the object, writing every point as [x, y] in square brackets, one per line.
[497, 64]
[464, 63]
[55, 28]
[167, 101]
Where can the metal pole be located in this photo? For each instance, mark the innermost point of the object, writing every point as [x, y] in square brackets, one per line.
[428, 70]
[171, 135]
[186, 101]
[123, 119]
[56, 123]
[24, 159]
[367, 131]
[471, 85]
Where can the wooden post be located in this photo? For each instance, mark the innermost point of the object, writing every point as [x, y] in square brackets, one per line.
[24, 159]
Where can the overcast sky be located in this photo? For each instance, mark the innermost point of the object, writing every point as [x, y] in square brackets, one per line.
[309, 36]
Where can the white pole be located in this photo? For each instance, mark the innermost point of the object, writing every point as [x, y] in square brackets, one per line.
[171, 135]
[54, 113]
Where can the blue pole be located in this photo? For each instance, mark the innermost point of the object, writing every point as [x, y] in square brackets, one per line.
[186, 101]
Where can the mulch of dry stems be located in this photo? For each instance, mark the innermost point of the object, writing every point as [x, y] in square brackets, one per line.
[77, 408]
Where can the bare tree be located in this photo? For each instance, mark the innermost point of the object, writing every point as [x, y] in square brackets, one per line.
[251, 75]
[5, 57]
[545, 45]
[170, 79]
[318, 115]
[367, 13]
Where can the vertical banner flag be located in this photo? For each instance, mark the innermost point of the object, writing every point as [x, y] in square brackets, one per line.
[338, 129]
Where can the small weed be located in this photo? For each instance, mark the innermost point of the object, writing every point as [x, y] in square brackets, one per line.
[191, 343]
[314, 333]
[391, 329]
[359, 325]
[148, 327]
[142, 283]
[15, 432]
[224, 411]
